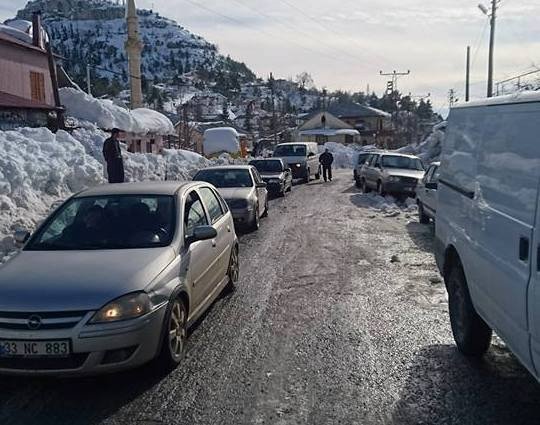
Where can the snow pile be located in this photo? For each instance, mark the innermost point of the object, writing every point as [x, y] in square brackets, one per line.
[345, 156]
[38, 168]
[105, 114]
[430, 149]
[388, 205]
[221, 139]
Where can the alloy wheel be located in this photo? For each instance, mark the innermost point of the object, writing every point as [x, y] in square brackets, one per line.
[177, 330]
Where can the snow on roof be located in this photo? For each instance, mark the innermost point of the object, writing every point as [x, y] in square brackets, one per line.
[106, 115]
[521, 97]
[329, 132]
[221, 139]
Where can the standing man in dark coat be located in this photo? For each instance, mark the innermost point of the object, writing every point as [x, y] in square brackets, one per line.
[326, 160]
[113, 156]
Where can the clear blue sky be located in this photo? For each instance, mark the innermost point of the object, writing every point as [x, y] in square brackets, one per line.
[345, 43]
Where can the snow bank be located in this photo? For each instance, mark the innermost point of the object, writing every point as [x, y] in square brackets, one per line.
[221, 139]
[388, 205]
[430, 149]
[345, 156]
[105, 114]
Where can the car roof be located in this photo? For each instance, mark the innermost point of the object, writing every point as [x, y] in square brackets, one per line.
[297, 143]
[228, 167]
[138, 188]
[404, 155]
[266, 159]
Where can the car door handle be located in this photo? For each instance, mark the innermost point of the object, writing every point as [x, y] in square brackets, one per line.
[524, 249]
[229, 229]
[214, 243]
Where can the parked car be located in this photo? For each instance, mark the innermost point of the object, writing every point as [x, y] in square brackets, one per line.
[244, 190]
[362, 158]
[275, 173]
[302, 159]
[487, 227]
[114, 278]
[391, 173]
[426, 194]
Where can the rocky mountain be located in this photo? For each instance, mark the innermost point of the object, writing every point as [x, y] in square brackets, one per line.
[93, 32]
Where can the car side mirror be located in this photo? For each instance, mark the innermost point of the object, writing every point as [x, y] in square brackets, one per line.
[261, 185]
[202, 233]
[432, 185]
[311, 154]
[21, 237]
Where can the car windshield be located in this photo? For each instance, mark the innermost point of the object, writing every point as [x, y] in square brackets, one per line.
[268, 166]
[108, 222]
[290, 150]
[362, 158]
[389, 161]
[225, 178]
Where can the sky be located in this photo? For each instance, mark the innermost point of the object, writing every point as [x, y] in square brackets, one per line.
[344, 44]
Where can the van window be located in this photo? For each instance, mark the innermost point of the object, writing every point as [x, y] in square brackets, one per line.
[290, 150]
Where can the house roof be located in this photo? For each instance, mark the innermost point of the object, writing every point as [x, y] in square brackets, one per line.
[11, 101]
[7, 39]
[355, 110]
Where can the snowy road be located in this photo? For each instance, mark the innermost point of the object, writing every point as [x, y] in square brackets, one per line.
[338, 318]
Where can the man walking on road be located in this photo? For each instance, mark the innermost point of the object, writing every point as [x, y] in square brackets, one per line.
[113, 156]
[326, 160]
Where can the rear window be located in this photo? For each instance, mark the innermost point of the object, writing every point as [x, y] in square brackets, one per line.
[290, 150]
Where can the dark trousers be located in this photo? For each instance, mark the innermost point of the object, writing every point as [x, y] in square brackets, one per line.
[115, 171]
[327, 172]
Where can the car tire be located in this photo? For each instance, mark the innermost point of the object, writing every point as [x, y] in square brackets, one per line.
[255, 221]
[173, 345]
[422, 217]
[233, 272]
[307, 177]
[471, 333]
[365, 187]
[357, 182]
[380, 189]
[265, 212]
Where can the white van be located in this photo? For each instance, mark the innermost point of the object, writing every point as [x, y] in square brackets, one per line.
[302, 158]
[488, 225]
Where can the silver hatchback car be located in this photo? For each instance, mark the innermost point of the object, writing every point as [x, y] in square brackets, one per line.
[114, 278]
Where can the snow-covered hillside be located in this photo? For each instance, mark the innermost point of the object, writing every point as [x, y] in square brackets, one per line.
[94, 32]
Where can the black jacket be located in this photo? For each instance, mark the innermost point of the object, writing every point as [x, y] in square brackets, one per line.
[326, 159]
[111, 150]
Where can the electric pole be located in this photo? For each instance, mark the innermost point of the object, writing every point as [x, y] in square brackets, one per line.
[493, 18]
[88, 82]
[452, 99]
[468, 75]
[392, 85]
[272, 90]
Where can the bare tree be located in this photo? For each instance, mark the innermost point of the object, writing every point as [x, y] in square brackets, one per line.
[305, 81]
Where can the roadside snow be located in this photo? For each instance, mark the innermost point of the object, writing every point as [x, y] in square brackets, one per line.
[345, 156]
[430, 149]
[388, 205]
[105, 114]
[221, 139]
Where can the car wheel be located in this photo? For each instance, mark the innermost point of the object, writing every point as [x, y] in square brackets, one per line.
[255, 221]
[307, 178]
[174, 336]
[365, 187]
[471, 333]
[265, 212]
[423, 218]
[357, 182]
[234, 270]
[380, 188]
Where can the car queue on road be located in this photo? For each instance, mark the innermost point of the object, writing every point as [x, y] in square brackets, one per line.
[129, 267]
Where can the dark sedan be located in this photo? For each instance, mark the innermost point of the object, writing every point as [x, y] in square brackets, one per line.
[276, 174]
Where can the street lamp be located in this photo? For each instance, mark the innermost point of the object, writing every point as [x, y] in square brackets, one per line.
[492, 16]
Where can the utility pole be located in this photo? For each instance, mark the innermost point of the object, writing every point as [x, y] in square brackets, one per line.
[395, 75]
[493, 19]
[452, 99]
[468, 76]
[88, 82]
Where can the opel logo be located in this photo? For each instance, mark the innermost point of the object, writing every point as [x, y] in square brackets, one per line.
[34, 322]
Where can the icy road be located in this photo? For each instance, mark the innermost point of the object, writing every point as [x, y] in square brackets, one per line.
[339, 318]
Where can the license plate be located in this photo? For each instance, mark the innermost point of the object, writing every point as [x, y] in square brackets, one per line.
[34, 348]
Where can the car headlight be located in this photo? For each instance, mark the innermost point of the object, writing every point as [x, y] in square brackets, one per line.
[298, 165]
[127, 307]
[394, 179]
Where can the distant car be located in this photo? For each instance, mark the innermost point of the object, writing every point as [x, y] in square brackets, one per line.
[244, 190]
[275, 173]
[426, 193]
[114, 278]
[391, 173]
[302, 158]
[362, 158]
